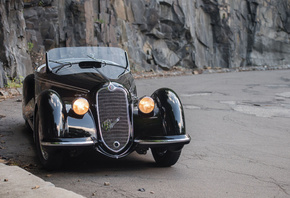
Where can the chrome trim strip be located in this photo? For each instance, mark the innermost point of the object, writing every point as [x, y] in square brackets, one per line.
[62, 85]
[185, 140]
[87, 143]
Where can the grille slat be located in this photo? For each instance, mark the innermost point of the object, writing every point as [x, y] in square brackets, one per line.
[113, 117]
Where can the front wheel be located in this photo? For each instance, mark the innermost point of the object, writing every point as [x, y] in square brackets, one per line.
[50, 159]
[165, 157]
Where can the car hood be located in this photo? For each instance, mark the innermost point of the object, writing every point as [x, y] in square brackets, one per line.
[87, 82]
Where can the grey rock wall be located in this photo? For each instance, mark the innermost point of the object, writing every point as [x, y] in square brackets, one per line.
[15, 61]
[158, 34]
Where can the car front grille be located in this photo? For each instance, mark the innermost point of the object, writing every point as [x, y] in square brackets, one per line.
[113, 117]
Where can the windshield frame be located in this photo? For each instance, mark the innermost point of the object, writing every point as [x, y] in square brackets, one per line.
[66, 55]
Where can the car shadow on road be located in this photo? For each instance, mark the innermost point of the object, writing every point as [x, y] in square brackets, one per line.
[90, 161]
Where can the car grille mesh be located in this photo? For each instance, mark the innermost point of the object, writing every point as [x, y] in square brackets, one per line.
[113, 118]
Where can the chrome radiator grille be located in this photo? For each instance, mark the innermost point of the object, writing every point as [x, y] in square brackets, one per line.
[113, 116]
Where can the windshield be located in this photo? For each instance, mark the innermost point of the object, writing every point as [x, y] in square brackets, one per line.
[77, 54]
[65, 61]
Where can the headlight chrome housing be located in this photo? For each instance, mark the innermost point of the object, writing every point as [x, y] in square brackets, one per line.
[80, 106]
[146, 105]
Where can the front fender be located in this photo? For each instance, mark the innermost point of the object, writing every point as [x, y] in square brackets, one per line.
[52, 114]
[171, 111]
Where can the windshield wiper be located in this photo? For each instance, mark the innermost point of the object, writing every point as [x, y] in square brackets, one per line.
[103, 75]
[60, 66]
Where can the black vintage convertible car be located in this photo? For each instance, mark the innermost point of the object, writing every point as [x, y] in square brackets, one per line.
[86, 97]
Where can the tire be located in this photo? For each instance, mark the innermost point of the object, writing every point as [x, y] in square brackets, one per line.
[50, 159]
[165, 157]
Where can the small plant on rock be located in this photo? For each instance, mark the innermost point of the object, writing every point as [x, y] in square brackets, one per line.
[30, 46]
[14, 82]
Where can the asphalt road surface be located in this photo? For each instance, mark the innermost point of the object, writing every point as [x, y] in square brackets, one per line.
[240, 129]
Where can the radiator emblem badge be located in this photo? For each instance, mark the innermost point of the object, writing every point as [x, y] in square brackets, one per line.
[108, 124]
[111, 87]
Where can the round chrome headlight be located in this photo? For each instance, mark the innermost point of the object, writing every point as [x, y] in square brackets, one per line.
[146, 105]
[81, 106]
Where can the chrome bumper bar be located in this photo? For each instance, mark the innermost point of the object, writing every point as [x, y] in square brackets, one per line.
[174, 139]
[70, 142]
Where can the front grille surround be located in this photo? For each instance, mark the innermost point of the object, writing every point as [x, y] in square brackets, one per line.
[114, 123]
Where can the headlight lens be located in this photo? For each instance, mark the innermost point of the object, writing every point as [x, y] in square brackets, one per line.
[81, 106]
[146, 105]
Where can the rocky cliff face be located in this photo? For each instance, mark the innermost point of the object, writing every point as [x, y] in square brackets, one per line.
[14, 58]
[158, 34]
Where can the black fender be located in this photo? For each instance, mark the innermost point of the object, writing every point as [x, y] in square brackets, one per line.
[28, 94]
[167, 119]
[52, 114]
[171, 111]
[28, 88]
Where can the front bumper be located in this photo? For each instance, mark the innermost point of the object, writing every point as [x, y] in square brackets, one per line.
[67, 142]
[163, 140]
[149, 141]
